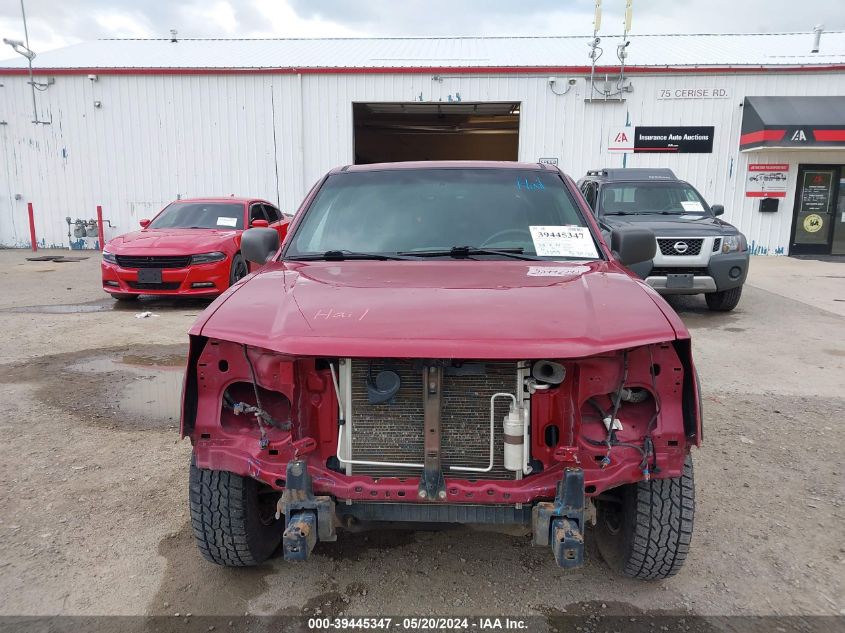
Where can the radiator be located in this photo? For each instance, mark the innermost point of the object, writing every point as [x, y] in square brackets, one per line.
[393, 431]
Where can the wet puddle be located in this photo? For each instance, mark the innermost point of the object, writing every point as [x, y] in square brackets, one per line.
[65, 308]
[110, 305]
[131, 388]
[153, 392]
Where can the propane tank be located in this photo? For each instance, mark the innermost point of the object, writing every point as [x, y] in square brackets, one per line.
[91, 229]
[79, 230]
[513, 438]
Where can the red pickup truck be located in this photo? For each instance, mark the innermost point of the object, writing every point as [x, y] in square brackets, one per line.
[443, 342]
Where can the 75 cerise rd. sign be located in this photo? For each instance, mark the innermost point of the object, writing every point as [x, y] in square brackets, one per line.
[693, 93]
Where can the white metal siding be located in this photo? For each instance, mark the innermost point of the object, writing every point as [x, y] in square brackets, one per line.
[157, 137]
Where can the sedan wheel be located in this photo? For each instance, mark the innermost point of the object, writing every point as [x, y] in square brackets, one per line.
[239, 269]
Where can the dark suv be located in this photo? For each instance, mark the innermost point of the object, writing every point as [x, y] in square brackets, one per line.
[697, 252]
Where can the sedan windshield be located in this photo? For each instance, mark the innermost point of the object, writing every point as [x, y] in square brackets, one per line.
[200, 215]
[651, 197]
[458, 213]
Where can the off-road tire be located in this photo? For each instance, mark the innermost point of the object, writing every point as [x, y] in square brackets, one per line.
[650, 537]
[238, 270]
[226, 518]
[124, 296]
[724, 301]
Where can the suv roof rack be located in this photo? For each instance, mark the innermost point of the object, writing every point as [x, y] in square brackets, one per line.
[634, 173]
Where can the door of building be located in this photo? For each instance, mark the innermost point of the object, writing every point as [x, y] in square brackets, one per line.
[815, 212]
[838, 247]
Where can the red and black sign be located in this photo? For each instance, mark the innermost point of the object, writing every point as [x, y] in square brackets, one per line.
[792, 122]
[674, 140]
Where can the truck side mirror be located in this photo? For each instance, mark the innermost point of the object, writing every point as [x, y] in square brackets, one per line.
[144, 223]
[632, 245]
[259, 223]
[258, 245]
[717, 209]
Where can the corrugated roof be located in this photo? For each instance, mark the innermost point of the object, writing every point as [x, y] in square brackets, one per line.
[645, 51]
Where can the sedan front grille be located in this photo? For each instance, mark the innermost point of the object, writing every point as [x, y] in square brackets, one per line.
[167, 285]
[155, 261]
[393, 431]
[679, 246]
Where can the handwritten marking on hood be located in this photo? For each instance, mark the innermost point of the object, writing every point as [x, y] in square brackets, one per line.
[327, 314]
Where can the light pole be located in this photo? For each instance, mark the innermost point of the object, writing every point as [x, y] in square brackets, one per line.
[22, 48]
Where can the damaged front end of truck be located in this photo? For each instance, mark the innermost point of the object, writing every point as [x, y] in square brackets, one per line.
[337, 442]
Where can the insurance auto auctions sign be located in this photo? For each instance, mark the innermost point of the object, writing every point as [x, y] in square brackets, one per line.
[767, 181]
[677, 140]
[669, 140]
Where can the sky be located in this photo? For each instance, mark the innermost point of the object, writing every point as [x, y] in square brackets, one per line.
[53, 24]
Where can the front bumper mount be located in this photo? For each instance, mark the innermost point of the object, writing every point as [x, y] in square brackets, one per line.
[560, 523]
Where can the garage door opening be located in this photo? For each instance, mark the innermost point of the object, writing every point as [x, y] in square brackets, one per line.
[391, 132]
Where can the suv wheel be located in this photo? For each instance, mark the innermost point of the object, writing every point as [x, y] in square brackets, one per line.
[645, 533]
[233, 517]
[723, 301]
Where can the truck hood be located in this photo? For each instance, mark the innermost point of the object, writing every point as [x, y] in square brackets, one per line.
[674, 225]
[441, 309]
[169, 241]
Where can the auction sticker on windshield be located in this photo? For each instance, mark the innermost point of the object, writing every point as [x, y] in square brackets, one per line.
[692, 205]
[563, 241]
[227, 221]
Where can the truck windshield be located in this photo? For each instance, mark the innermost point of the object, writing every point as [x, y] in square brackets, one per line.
[426, 211]
[200, 215]
[651, 197]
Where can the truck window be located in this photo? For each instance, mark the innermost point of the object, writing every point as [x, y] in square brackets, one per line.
[430, 209]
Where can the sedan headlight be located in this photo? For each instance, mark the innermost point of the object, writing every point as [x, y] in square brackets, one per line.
[734, 243]
[208, 258]
[109, 257]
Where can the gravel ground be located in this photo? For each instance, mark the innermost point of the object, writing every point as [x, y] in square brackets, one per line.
[93, 477]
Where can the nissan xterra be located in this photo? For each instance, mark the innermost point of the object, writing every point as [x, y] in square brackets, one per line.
[697, 252]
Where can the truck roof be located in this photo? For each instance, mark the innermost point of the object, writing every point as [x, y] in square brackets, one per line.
[633, 173]
[445, 164]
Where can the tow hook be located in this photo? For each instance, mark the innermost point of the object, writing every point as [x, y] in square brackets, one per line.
[308, 518]
[561, 523]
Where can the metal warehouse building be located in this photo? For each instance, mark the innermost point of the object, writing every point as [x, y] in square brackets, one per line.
[755, 122]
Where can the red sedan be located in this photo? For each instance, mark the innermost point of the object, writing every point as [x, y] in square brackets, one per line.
[192, 247]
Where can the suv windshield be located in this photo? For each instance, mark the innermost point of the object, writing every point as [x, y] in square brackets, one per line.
[408, 211]
[200, 215]
[650, 197]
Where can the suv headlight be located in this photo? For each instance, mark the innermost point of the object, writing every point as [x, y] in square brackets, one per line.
[734, 243]
[109, 257]
[207, 258]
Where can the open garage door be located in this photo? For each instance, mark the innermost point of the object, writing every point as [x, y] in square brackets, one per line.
[391, 132]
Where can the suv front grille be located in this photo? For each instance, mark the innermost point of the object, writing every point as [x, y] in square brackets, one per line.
[717, 244]
[662, 271]
[156, 261]
[393, 431]
[670, 246]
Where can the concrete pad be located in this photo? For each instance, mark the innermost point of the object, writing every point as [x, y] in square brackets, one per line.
[816, 283]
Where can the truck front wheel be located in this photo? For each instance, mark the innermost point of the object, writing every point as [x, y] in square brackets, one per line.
[233, 518]
[644, 530]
